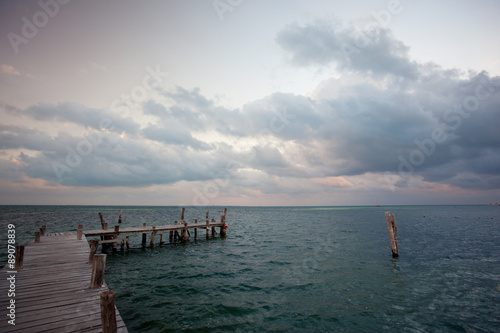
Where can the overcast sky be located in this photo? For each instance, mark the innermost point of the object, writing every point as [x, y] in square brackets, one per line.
[249, 102]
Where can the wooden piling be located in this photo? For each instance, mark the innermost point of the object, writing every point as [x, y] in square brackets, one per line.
[105, 226]
[153, 234]
[42, 230]
[102, 220]
[182, 215]
[120, 217]
[128, 242]
[185, 233]
[208, 229]
[391, 226]
[161, 239]
[99, 263]
[94, 244]
[176, 234]
[108, 314]
[144, 236]
[79, 234]
[37, 236]
[195, 229]
[19, 257]
[122, 244]
[223, 220]
[213, 228]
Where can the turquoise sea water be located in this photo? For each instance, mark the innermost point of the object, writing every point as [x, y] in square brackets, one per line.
[298, 269]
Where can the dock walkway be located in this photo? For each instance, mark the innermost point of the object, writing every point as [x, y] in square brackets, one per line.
[52, 289]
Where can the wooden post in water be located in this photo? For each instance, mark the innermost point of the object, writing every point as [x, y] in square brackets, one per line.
[153, 234]
[115, 236]
[19, 257]
[128, 242]
[213, 228]
[208, 229]
[176, 233]
[223, 220]
[37, 236]
[185, 233]
[195, 229]
[391, 226]
[161, 239]
[108, 314]
[94, 244]
[182, 215]
[42, 230]
[144, 237]
[120, 217]
[102, 220]
[105, 246]
[122, 244]
[98, 265]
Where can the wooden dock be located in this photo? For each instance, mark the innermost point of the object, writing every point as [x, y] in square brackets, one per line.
[59, 284]
[52, 291]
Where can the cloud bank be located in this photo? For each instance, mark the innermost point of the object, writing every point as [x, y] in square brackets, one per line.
[386, 118]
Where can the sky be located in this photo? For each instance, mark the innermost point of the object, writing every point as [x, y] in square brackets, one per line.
[249, 102]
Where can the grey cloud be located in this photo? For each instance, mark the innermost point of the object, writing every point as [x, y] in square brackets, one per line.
[173, 133]
[323, 43]
[81, 115]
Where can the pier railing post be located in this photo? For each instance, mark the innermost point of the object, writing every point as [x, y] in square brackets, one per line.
[19, 257]
[99, 263]
[391, 226]
[94, 244]
[79, 232]
[108, 313]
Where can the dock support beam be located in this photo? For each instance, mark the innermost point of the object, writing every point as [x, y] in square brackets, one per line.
[391, 226]
[108, 314]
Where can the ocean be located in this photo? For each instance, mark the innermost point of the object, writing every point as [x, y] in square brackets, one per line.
[297, 269]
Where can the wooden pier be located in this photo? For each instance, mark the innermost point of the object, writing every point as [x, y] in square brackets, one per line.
[52, 289]
[177, 231]
[59, 284]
